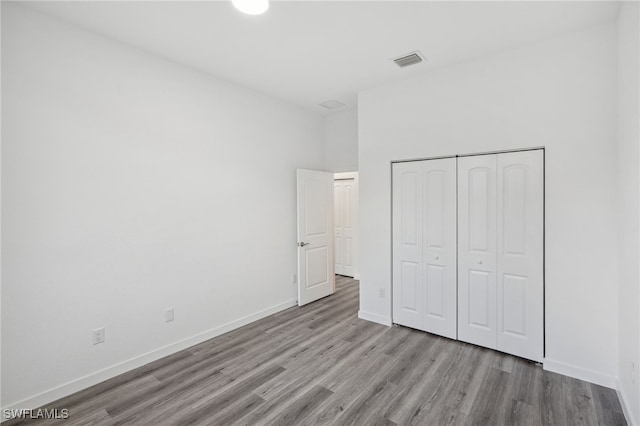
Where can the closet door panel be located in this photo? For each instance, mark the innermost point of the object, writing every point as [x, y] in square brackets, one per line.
[520, 254]
[439, 241]
[407, 244]
[348, 233]
[337, 220]
[479, 293]
[477, 309]
[344, 217]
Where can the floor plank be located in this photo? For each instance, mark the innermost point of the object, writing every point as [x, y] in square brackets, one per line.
[320, 364]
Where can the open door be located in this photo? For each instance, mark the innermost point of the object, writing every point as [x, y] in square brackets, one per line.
[315, 235]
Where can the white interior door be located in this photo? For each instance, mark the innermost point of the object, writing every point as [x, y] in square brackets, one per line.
[439, 247]
[345, 194]
[315, 235]
[520, 254]
[477, 305]
[424, 245]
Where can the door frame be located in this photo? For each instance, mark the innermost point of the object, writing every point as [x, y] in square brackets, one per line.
[356, 228]
[544, 227]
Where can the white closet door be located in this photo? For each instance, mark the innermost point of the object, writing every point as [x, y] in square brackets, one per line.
[439, 242]
[337, 220]
[520, 254]
[408, 294]
[345, 199]
[477, 309]
[348, 221]
[424, 245]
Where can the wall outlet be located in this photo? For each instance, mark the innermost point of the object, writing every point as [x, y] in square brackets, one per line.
[168, 315]
[381, 292]
[294, 279]
[98, 335]
[633, 373]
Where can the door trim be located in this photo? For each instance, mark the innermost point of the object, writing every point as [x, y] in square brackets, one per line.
[504, 151]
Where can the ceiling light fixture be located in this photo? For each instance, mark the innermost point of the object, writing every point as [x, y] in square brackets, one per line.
[251, 7]
[332, 104]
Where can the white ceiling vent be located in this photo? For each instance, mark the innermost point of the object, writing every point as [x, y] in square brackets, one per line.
[332, 104]
[410, 59]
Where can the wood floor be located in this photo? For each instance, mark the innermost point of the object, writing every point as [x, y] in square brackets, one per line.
[320, 364]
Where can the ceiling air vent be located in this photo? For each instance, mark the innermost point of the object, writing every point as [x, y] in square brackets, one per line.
[410, 59]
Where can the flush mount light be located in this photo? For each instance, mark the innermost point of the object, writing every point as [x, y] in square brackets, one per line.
[251, 7]
[332, 104]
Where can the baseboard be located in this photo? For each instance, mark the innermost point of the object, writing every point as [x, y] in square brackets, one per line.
[368, 316]
[585, 374]
[624, 402]
[74, 386]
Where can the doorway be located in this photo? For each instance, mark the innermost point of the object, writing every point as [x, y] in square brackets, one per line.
[345, 204]
[327, 222]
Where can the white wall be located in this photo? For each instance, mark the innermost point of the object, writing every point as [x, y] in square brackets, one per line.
[341, 141]
[131, 184]
[628, 162]
[561, 94]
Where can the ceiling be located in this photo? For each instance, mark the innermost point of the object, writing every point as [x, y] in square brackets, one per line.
[308, 52]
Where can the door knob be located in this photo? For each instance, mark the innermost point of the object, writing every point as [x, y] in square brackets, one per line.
[302, 244]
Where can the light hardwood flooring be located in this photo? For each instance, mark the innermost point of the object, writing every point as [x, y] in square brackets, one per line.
[320, 364]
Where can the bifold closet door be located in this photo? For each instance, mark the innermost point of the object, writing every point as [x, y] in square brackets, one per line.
[477, 301]
[500, 252]
[520, 279]
[424, 245]
[344, 217]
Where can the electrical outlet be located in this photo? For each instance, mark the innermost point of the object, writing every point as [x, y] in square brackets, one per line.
[294, 279]
[633, 373]
[168, 315]
[98, 335]
[381, 292]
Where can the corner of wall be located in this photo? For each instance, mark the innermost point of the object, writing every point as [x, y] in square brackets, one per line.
[625, 403]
